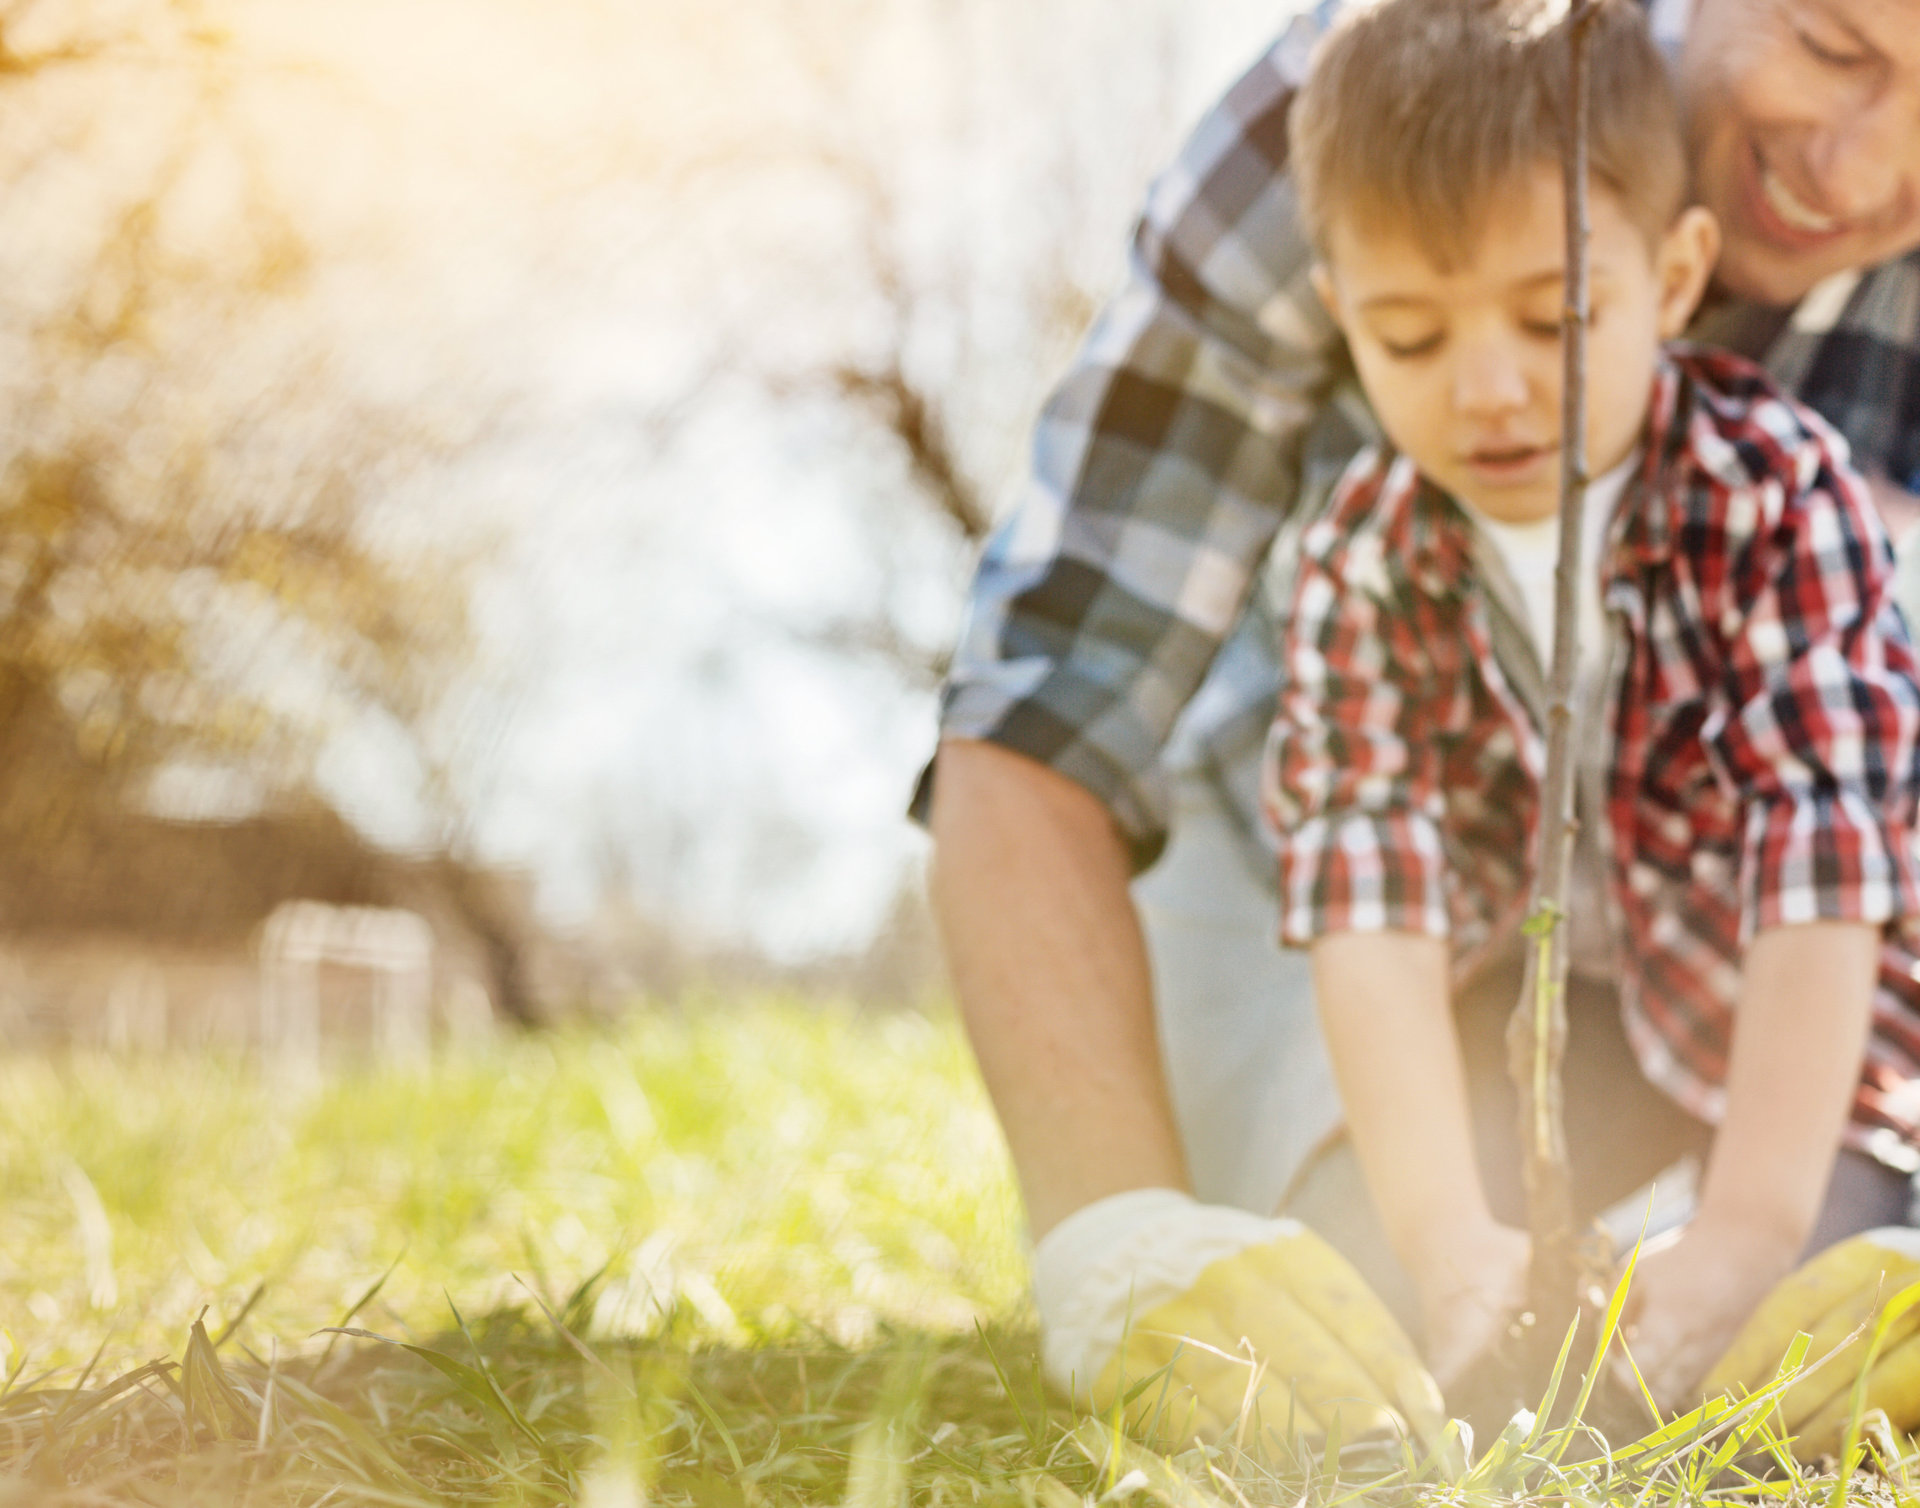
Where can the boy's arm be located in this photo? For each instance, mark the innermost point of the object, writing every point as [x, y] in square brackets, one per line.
[1356, 787]
[1806, 1002]
[1817, 731]
[1385, 1008]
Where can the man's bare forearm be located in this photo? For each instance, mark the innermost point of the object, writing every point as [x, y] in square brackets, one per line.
[1030, 889]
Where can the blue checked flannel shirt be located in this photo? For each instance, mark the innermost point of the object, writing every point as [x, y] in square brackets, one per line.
[1122, 619]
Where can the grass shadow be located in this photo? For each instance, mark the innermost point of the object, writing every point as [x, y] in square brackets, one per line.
[513, 1407]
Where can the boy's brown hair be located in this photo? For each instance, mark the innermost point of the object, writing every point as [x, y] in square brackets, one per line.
[1418, 114]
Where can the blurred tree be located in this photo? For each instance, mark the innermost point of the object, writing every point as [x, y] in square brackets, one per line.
[190, 563]
[865, 235]
[198, 569]
[918, 217]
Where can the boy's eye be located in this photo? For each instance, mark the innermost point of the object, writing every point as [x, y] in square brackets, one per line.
[1833, 54]
[1542, 329]
[1410, 350]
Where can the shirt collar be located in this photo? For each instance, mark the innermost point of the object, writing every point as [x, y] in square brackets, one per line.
[1647, 531]
[1437, 540]
[1667, 20]
[1438, 535]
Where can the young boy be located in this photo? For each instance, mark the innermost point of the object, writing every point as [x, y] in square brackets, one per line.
[1747, 712]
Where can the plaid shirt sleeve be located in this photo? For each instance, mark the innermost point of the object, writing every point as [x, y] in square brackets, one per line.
[1354, 776]
[1161, 469]
[1821, 710]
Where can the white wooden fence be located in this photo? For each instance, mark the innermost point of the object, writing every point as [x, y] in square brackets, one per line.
[393, 947]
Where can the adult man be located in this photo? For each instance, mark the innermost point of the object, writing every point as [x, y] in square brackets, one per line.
[1211, 397]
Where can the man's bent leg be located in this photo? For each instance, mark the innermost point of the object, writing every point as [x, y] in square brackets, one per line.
[1252, 1089]
[1862, 1195]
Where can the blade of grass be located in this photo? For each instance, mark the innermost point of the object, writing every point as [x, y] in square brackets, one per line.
[506, 1405]
[1545, 1412]
[574, 1341]
[1117, 1457]
[1329, 1449]
[1640, 1382]
[1609, 1327]
[1762, 1405]
[265, 1431]
[1665, 1444]
[1896, 1306]
[239, 1319]
[74, 1410]
[1250, 1406]
[1491, 1472]
[470, 1381]
[575, 1308]
[358, 1304]
[1027, 1428]
[78, 1390]
[720, 1425]
[1374, 1489]
[205, 1377]
[1451, 1456]
[14, 1372]
[323, 1413]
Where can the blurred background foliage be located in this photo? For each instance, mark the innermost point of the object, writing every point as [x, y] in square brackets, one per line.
[449, 440]
[549, 435]
[193, 579]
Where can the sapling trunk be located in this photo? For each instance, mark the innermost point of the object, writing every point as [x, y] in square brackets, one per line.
[1538, 1035]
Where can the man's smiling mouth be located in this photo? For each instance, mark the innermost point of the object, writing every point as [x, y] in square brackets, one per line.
[1793, 211]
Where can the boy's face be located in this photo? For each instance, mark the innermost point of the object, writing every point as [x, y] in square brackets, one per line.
[1805, 124]
[1463, 367]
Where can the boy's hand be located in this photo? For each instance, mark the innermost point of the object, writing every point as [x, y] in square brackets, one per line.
[1690, 1296]
[1806, 1002]
[1387, 1010]
[1470, 1293]
[1834, 1299]
[1218, 1311]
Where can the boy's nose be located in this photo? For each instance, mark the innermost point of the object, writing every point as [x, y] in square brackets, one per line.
[1489, 381]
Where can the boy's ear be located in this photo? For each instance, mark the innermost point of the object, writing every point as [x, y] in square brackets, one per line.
[1683, 263]
[1324, 290]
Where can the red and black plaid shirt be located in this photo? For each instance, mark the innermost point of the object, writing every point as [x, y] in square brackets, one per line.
[1765, 720]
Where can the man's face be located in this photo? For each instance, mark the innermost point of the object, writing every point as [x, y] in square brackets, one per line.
[1463, 367]
[1804, 126]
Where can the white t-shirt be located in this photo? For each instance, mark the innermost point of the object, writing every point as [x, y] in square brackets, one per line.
[1531, 553]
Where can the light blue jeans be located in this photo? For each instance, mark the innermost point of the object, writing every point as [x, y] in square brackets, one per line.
[1252, 1088]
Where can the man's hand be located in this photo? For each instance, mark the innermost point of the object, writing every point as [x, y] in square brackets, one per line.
[1470, 1294]
[1835, 1299]
[1196, 1315]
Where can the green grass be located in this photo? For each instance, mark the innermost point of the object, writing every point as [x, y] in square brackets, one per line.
[758, 1255]
[769, 1167]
